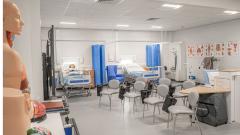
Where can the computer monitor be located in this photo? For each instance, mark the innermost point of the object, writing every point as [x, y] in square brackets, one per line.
[209, 76]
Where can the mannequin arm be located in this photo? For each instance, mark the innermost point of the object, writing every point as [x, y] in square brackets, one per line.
[24, 81]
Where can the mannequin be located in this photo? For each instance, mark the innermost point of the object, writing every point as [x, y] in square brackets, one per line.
[17, 106]
[14, 73]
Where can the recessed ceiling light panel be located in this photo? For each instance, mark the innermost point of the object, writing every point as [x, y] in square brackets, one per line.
[122, 25]
[109, 1]
[173, 6]
[68, 23]
[157, 27]
[230, 12]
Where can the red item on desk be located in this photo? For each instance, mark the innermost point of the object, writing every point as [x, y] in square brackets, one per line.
[53, 105]
[39, 111]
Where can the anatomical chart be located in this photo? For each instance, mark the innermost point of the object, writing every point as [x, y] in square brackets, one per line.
[219, 49]
[200, 50]
[191, 50]
[232, 48]
[212, 53]
[207, 49]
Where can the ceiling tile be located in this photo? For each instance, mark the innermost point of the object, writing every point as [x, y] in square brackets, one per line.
[89, 14]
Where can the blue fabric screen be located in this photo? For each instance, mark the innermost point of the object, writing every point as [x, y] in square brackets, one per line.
[149, 55]
[153, 58]
[98, 61]
[111, 72]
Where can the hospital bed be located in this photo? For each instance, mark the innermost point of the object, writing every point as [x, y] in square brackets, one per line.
[136, 70]
[75, 81]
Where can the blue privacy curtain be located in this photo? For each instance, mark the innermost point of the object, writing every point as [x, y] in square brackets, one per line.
[153, 55]
[98, 61]
[111, 72]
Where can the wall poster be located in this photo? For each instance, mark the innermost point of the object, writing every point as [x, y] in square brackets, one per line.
[233, 48]
[212, 48]
[200, 50]
[207, 50]
[191, 51]
[219, 49]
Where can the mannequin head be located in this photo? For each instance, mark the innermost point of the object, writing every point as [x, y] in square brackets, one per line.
[12, 22]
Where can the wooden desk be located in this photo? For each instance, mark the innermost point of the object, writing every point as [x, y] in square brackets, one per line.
[205, 90]
[211, 92]
[231, 70]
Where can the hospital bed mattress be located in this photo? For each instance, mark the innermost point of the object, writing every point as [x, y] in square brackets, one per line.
[138, 71]
[144, 74]
[75, 79]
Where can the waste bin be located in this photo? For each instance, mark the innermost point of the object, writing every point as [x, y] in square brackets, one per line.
[68, 129]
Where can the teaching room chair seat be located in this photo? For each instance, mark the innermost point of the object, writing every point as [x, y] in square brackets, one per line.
[113, 88]
[164, 81]
[186, 85]
[138, 87]
[162, 91]
[183, 110]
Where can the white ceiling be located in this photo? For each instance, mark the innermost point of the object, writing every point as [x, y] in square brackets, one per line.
[89, 14]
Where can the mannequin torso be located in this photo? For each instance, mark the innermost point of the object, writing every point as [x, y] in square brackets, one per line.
[12, 68]
[14, 73]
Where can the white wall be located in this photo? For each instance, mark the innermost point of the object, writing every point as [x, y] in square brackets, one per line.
[28, 44]
[77, 43]
[134, 43]
[220, 32]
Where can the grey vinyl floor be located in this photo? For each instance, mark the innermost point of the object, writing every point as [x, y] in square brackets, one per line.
[93, 119]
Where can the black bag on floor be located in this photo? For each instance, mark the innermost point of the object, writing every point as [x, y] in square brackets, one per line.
[150, 85]
[212, 109]
[123, 89]
[169, 101]
[145, 94]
